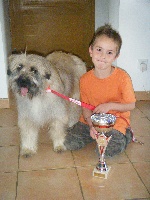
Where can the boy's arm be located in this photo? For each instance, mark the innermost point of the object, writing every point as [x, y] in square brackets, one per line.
[121, 107]
[87, 116]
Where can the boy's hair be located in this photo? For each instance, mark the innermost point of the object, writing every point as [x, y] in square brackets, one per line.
[108, 31]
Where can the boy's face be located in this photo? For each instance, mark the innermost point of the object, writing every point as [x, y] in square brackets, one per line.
[103, 52]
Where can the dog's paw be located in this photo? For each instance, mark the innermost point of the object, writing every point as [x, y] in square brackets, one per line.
[26, 153]
[59, 148]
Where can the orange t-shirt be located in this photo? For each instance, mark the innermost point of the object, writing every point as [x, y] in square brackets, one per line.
[115, 88]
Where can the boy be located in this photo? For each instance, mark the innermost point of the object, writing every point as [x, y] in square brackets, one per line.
[109, 89]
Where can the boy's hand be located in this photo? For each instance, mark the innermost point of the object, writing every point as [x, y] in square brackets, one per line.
[102, 108]
[93, 132]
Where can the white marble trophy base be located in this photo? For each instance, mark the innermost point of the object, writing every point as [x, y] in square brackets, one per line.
[103, 174]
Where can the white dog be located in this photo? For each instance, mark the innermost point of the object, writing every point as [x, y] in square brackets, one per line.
[29, 77]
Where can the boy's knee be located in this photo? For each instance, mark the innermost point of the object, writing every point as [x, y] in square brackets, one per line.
[77, 137]
[116, 145]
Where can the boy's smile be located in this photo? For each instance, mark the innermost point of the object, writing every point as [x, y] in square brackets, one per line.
[103, 53]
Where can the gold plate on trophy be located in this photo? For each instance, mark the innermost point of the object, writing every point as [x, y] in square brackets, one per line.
[100, 174]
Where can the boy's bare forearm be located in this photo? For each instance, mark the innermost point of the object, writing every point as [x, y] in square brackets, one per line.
[105, 108]
[121, 107]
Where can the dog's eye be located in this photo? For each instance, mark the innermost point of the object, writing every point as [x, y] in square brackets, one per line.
[20, 66]
[8, 72]
[34, 70]
[47, 76]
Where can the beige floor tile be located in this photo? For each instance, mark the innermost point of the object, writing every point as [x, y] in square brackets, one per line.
[143, 169]
[141, 126]
[62, 184]
[144, 106]
[9, 158]
[139, 121]
[8, 186]
[86, 156]
[8, 118]
[122, 183]
[46, 158]
[137, 152]
[9, 136]
[136, 113]
[120, 158]
[43, 136]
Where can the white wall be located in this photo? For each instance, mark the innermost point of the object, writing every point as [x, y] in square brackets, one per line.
[101, 13]
[134, 27]
[132, 19]
[5, 45]
[114, 13]
[113, 9]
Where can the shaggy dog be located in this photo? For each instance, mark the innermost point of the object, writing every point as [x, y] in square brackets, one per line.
[29, 77]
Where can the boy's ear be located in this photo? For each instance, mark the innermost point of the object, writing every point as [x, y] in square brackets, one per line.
[117, 56]
[90, 51]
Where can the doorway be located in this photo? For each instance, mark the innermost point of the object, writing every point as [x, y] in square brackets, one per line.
[43, 26]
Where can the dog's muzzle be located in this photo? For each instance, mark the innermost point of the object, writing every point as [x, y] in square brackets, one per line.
[26, 86]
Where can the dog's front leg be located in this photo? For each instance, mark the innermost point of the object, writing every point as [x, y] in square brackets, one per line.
[57, 133]
[29, 137]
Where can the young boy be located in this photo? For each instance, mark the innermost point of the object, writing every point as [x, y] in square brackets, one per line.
[109, 89]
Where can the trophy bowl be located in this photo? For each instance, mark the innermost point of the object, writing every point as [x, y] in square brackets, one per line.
[103, 122]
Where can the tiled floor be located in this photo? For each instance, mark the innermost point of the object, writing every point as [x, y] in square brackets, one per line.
[68, 176]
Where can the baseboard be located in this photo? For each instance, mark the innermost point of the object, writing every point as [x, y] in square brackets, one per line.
[4, 103]
[142, 95]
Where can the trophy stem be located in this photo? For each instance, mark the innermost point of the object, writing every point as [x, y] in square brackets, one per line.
[101, 170]
[101, 165]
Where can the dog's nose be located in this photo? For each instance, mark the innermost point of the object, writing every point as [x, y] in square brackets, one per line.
[23, 82]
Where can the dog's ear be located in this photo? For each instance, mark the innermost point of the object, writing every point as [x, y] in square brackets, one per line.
[11, 57]
[8, 72]
[47, 76]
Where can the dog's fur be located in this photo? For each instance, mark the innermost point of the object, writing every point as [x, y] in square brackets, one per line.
[29, 77]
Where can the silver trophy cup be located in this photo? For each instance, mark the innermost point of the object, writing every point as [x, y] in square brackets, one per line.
[102, 123]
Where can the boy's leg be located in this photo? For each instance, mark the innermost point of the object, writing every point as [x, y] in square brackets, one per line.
[78, 136]
[118, 142]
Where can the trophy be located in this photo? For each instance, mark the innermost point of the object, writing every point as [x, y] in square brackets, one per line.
[102, 123]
